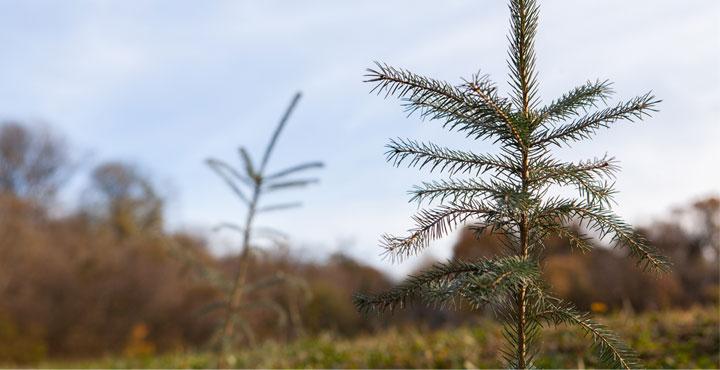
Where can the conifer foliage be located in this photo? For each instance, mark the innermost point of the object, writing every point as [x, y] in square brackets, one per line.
[510, 193]
[250, 183]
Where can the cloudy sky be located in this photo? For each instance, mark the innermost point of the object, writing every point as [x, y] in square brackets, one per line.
[165, 84]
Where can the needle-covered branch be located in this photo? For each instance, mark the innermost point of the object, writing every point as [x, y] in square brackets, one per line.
[487, 92]
[432, 224]
[451, 279]
[229, 175]
[294, 169]
[223, 166]
[438, 100]
[611, 350]
[606, 223]
[248, 163]
[281, 125]
[456, 191]
[583, 128]
[279, 207]
[289, 184]
[589, 177]
[577, 239]
[434, 157]
[575, 102]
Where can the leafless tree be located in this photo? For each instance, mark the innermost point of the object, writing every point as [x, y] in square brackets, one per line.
[34, 161]
[125, 198]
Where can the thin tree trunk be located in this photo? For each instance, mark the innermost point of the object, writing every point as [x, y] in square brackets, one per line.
[522, 293]
[235, 297]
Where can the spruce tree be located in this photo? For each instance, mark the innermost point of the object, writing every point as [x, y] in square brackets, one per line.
[250, 183]
[510, 193]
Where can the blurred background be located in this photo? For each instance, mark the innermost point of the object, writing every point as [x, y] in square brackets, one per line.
[108, 110]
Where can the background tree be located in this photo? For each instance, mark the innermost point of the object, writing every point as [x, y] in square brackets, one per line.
[708, 238]
[514, 200]
[250, 183]
[34, 161]
[126, 199]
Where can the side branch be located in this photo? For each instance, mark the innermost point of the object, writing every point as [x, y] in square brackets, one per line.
[487, 94]
[576, 239]
[431, 225]
[438, 100]
[423, 155]
[580, 98]
[606, 223]
[444, 281]
[588, 176]
[457, 190]
[612, 351]
[636, 109]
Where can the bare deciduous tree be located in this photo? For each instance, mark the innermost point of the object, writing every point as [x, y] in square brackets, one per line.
[125, 198]
[34, 161]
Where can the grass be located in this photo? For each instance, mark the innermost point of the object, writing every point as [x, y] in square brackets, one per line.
[673, 339]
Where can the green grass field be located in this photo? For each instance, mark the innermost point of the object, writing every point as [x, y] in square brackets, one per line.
[674, 339]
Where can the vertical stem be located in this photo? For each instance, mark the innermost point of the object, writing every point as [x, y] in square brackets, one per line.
[234, 298]
[522, 345]
[524, 250]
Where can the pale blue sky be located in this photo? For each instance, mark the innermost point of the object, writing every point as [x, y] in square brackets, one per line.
[166, 84]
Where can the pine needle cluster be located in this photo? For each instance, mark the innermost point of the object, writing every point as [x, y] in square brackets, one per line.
[510, 193]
